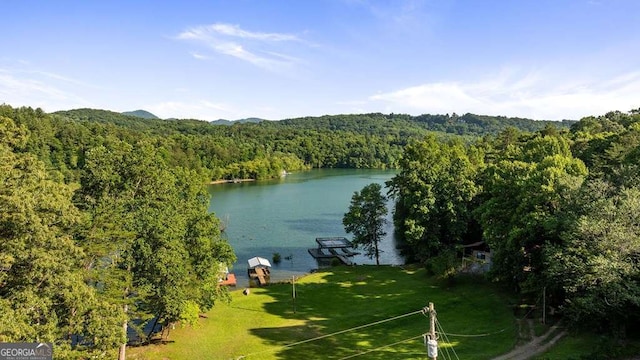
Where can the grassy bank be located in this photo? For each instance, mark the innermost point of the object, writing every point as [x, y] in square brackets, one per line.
[263, 324]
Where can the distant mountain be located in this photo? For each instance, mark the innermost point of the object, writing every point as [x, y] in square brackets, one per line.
[252, 120]
[141, 114]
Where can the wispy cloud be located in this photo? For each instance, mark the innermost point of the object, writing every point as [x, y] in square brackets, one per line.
[535, 95]
[236, 31]
[262, 49]
[406, 16]
[199, 56]
[39, 89]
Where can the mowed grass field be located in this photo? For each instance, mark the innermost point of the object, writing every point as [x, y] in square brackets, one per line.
[263, 325]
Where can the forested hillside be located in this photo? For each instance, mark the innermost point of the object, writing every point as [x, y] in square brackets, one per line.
[104, 216]
[559, 210]
[247, 150]
[129, 238]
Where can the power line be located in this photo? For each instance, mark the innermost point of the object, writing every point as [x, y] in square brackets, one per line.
[477, 335]
[473, 335]
[382, 347]
[335, 333]
[446, 338]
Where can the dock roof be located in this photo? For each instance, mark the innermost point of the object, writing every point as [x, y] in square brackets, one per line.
[258, 261]
[333, 242]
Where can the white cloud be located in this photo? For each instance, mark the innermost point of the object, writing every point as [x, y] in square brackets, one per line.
[199, 56]
[534, 95]
[258, 48]
[39, 89]
[236, 31]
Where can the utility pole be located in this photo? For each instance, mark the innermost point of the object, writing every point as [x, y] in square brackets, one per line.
[432, 342]
[293, 292]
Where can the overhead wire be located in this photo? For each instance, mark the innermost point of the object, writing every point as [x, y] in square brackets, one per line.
[334, 333]
[446, 338]
[471, 335]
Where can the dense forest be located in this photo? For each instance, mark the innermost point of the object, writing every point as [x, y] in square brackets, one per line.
[249, 150]
[559, 209]
[104, 217]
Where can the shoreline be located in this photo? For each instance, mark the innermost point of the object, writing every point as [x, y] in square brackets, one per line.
[234, 181]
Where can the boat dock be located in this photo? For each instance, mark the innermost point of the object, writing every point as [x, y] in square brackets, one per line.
[333, 248]
[260, 275]
[259, 270]
[230, 280]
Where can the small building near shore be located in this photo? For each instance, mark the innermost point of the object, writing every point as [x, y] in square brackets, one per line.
[476, 257]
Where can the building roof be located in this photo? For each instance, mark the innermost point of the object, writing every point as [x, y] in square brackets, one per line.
[333, 242]
[258, 261]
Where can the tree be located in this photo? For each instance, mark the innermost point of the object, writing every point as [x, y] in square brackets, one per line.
[151, 244]
[366, 219]
[525, 192]
[597, 266]
[43, 294]
[433, 192]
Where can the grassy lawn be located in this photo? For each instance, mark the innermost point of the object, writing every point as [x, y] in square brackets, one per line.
[591, 345]
[263, 325]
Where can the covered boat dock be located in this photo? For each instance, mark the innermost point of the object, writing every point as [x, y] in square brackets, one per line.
[259, 270]
[333, 247]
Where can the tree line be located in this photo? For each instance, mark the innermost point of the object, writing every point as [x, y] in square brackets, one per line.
[559, 209]
[247, 150]
[103, 216]
[131, 243]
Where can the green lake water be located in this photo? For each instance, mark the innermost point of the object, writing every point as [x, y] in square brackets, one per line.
[286, 215]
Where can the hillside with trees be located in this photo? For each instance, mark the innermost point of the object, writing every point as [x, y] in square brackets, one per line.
[247, 150]
[104, 216]
[559, 210]
[132, 239]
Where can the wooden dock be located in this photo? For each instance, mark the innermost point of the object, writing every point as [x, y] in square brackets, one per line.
[230, 280]
[259, 274]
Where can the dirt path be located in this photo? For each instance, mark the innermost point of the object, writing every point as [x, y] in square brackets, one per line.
[536, 344]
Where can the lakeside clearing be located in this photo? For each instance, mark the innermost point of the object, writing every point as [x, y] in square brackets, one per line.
[263, 325]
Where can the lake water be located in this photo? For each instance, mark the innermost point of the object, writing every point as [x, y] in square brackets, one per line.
[287, 214]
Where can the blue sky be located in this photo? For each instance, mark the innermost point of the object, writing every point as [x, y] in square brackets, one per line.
[557, 59]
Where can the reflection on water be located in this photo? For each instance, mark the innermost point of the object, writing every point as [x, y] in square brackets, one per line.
[286, 215]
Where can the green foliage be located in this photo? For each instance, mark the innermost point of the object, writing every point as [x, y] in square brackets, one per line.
[251, 150]
[190, 313]
[43, 295]
[558, 210]
[433, 193]
[137, 241]
[598, 264]
[165, 239]
[277, 258]
[366, 219]
[522, 206]
[444, 265]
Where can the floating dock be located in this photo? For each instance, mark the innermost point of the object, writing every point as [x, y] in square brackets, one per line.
[333, 248]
